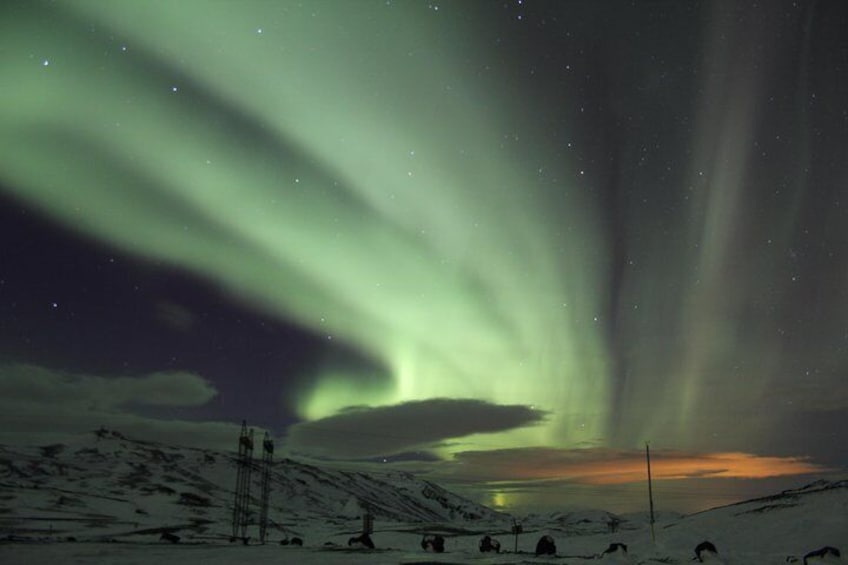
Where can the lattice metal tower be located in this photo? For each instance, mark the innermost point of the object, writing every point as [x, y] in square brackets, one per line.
[242, 501]
[267, 455]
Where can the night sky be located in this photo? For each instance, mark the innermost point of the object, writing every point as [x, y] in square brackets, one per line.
[498, 244]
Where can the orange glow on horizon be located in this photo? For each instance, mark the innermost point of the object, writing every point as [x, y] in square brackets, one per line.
[707, 466]
[606, 467]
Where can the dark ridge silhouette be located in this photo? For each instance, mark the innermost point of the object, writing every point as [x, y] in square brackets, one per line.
[168, 536]
[822, 553]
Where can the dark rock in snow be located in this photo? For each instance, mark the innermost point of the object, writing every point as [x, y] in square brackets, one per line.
[434, 543]
[488, 544]
[615, 548]
[705, 549]
[545, 546]
[363, 541]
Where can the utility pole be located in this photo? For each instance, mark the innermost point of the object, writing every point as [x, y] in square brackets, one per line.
[242, 500]
[516, 529]
[267, 454]
[650, 490]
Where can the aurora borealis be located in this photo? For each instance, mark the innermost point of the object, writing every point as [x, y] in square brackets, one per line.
[433, 234]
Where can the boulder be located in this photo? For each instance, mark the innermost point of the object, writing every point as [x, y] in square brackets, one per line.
[705, 550]
[363, 541]
[488, 544]
[433, 542]
[615, 548]
[545, 546]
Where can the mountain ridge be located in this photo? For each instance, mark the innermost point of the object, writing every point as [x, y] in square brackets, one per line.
[106, 479]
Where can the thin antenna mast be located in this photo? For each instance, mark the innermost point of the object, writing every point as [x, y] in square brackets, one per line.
[242, 501]
[650, 490]
[267, 454]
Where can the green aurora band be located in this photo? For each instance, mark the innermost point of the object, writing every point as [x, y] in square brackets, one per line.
[379, 209]
[347, 168]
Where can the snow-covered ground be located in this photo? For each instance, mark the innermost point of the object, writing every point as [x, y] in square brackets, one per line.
[107, 499]
[399, 547]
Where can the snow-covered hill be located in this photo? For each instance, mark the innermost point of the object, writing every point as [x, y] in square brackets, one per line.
[789, 523]
[108, 486]
[114, 496]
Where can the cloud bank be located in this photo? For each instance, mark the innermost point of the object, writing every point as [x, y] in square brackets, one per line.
[41, 405]
[371, 431]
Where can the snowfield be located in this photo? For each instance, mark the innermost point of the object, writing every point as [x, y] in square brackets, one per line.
[107, 499]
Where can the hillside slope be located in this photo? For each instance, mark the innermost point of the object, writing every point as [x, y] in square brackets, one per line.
[106, 485]
[791, 522]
